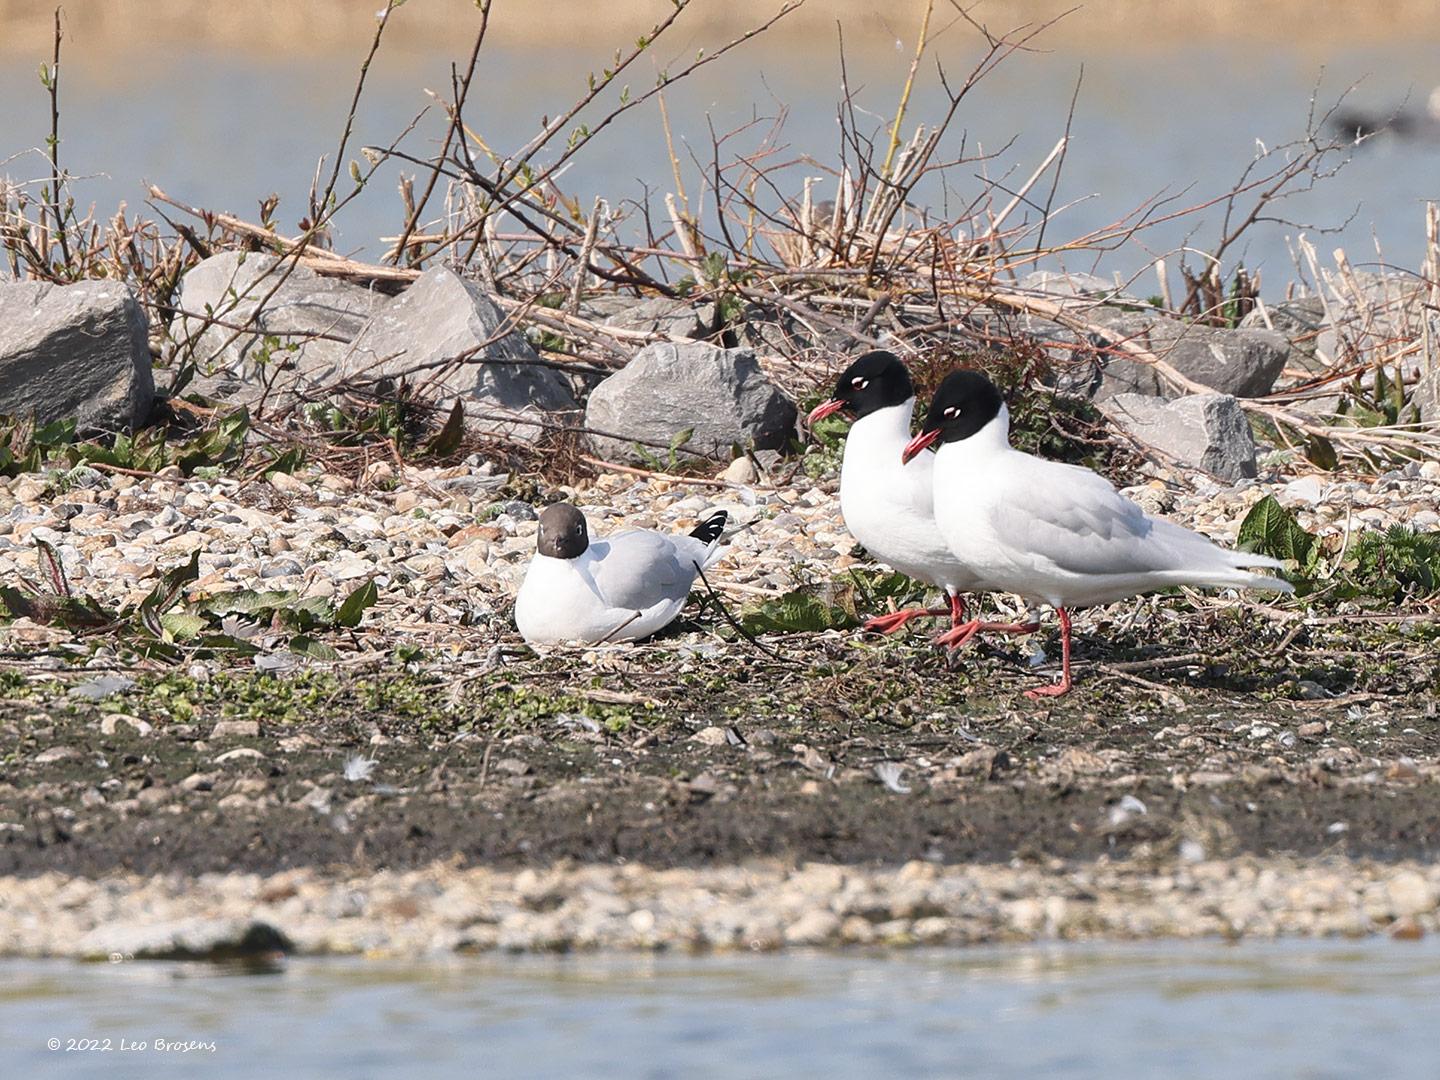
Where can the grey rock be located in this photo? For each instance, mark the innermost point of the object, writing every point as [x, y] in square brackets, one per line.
[653, 315]
[1206, 431]
[720, 395]
[315, 319]
[77, 351]
[1300, 320]
[1370, 311]
[1242, 362]
[1426, 396]
[441, 317]
[185, 939]
[1057, 284]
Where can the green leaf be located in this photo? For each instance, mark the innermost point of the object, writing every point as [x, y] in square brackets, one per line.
[1321, 453]
[796, 612]
[303, 645]
[355, 604]
[167, 591]
[182, 626]
[286, 462]
[447, 440]
[20, 605]
[52, 568]
[1270, 529]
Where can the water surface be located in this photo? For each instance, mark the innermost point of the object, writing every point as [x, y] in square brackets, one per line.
[223, 128]
[1289, 1010]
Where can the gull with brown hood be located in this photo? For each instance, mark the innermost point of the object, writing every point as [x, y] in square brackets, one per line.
[623, 588]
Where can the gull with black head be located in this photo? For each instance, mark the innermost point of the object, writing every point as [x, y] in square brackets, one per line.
[1053, 533]
[623, 588]
[887, 503]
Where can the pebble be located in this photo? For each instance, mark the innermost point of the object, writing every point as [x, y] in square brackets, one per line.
[235, 729]
[740, 471]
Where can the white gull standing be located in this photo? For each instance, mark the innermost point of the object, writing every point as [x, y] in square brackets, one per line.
[887, 503]
[1053, 533]
[622, 588]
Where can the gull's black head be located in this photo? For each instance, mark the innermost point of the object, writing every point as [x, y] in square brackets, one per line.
[562, 532]
[876, 380]
[965, 404]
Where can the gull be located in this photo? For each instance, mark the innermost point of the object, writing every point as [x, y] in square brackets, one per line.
[622, 588]
[887, 503]
[1055, 534]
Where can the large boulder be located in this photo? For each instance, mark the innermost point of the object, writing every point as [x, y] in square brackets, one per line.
[720, 395]
[1205, 431]
[446, 337]
[1426, 396]
[653, 315]
[1242, 362]
[77, 351]
[261, 329]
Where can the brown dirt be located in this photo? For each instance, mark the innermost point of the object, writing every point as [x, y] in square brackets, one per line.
[596, 760]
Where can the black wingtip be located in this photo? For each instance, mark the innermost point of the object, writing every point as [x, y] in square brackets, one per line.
[709, 530]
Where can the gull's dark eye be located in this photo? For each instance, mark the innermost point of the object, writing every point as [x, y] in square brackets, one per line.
[859, 383]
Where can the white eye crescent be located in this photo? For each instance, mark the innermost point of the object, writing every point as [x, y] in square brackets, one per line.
[859, 383]
[952, 411]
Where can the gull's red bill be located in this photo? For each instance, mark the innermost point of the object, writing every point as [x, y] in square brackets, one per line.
[923, 441]
[829, 408]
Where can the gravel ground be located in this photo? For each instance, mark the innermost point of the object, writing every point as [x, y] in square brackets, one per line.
[1224, 767]
[759, 906]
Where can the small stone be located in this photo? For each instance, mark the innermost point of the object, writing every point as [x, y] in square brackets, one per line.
[56, 753]
[818, 927]
[199, 781]
[1410, 894]
[405, 501]
[740, 471]
[287, 484]
[711, 736]
[243, 753]
[1407, 929]
[111, 721]
[235, 729]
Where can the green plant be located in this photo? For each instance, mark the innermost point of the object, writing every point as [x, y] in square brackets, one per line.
[162, 627]
[26, 448]
[674, 461]
[1397, 562]
[806, 611]
[1270, 529]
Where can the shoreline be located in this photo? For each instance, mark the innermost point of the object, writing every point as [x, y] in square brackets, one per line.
[763, 906]
[305, 29]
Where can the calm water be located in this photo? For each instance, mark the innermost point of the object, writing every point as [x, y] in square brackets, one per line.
[1292, 1010]
[221, 128]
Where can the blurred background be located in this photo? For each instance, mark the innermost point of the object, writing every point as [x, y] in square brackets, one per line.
[222, 105]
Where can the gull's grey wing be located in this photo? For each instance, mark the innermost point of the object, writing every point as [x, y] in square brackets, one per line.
[639, 569]
[1074, 520]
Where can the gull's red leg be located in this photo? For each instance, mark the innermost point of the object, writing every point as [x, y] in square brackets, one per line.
[959, 636]
[957, 610]
[888, 624]
[1063, 686]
